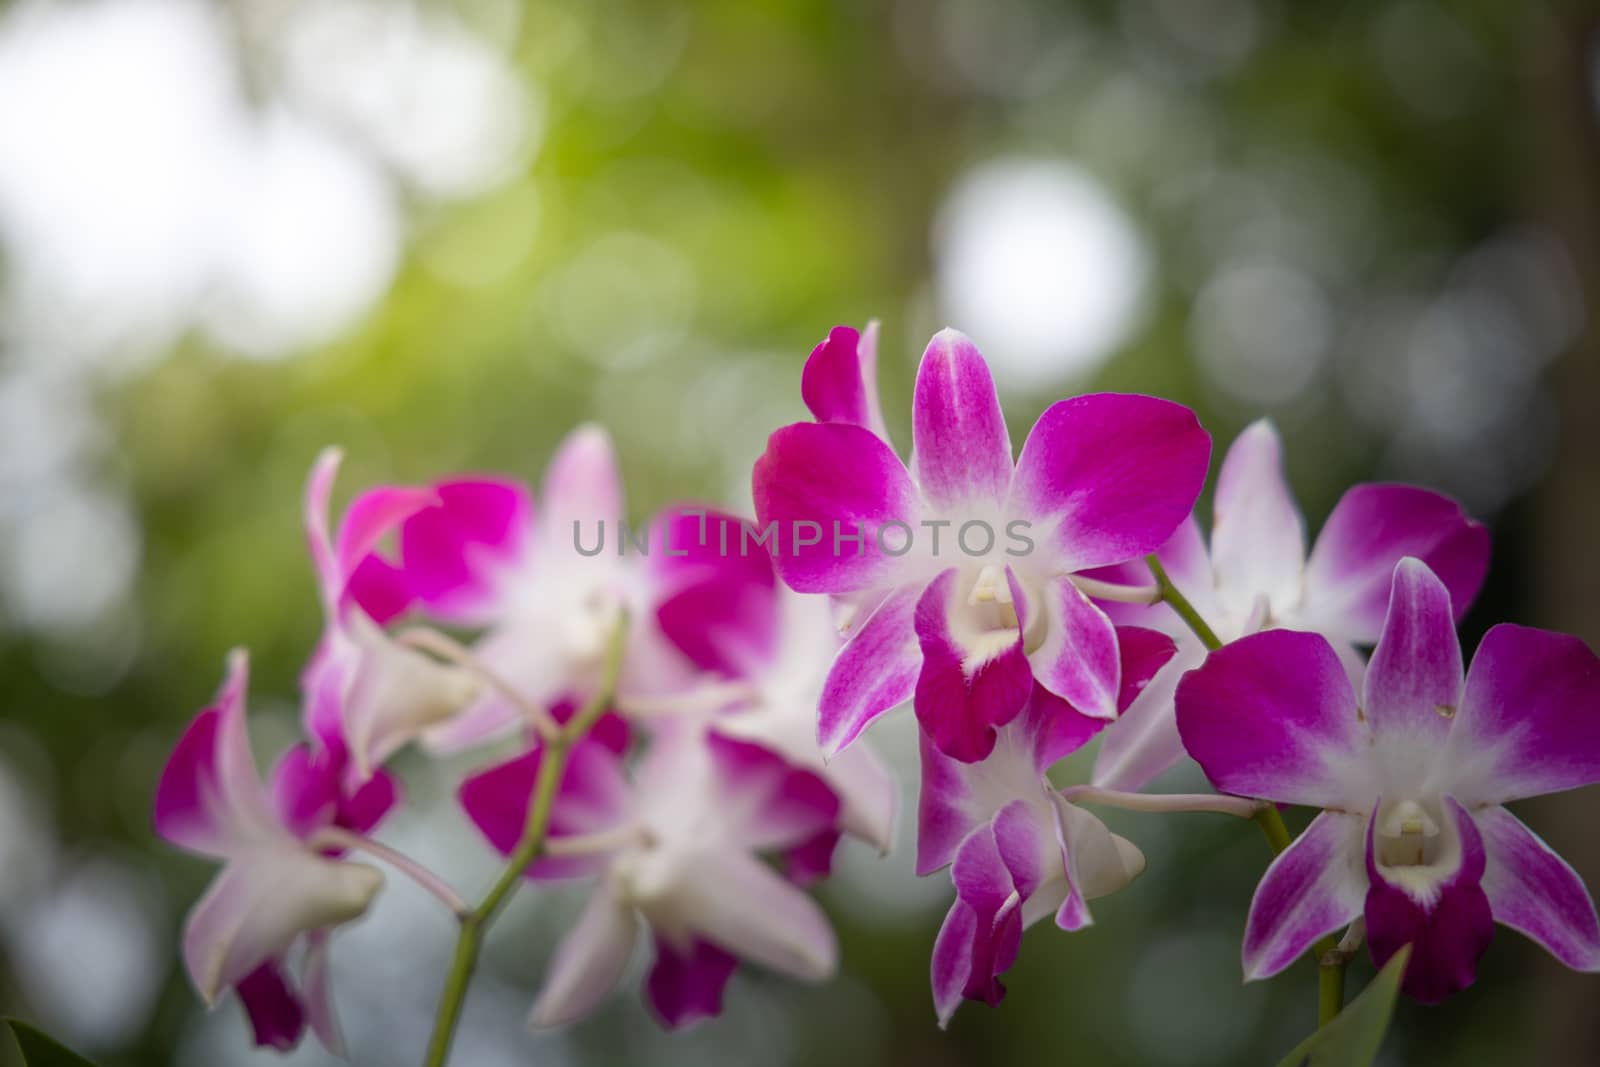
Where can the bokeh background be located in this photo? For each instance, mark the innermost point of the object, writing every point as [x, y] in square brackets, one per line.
[442, 232]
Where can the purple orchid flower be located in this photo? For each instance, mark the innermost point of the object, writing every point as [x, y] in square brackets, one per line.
[961, 564]
[1413, 777]
[279, 888]
[1257, 575]
[367, 695]
[1018, 848]
[678, 847]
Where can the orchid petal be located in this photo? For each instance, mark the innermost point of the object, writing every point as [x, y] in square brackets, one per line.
[316, 992]
[260, 903]
[1534, 891]
[686, 986]
[819, 486]
[1258, 538]
[972, 679]
[1413, 683]
[1273, 716]
[1079, 659]
[1370, 530]
[1108, 477]
[960, 446]
[764, 801]
[1530, 718]
[748, 909]
[277, 1018]
[1097, 862]
[589, 961]
[874, 673]
[455, 551]
[840, 379]
[1312, 888]
[581, 485]
[1144, 742]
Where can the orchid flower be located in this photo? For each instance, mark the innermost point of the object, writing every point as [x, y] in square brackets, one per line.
[678, 847]
[1413, 777]
[1256, 575]
[366, 694]
[481, 555]
[279, 886]
[964, 560]
[720, 605]
[1018, 848]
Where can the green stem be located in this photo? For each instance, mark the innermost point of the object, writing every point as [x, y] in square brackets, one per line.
[1329, 960]
[552, 766]
[1181, 605]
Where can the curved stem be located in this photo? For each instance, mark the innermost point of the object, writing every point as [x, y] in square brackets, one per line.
[1119, 594]
[535, 832]
[427, 639]
[1180, 604]
[338, 837]
[1216, 803]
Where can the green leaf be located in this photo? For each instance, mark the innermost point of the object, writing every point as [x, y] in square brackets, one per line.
[1352, 1039]
[41, 1050]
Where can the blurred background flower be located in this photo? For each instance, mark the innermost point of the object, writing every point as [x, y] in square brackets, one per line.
[443, 232]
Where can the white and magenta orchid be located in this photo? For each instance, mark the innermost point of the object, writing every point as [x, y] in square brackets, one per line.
[965, 558]
[1018, 848]
[367, 695]
[1413, 776]
[679, 846]
[482, 555]
[1257, 575]
[281, 890]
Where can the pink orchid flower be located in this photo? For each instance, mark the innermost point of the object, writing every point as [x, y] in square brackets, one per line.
[481, 555]
[718, 602]
[1018, 848]
[278, 888]
[678, 846]
[963, 561]
[367, 695]
[1257, 575]
[1413, 775]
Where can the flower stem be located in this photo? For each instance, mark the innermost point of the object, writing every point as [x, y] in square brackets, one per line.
[1216, 803]
[534, 836]
[1326, 953]
[1180, 604]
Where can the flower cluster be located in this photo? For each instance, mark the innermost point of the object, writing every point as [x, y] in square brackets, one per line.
[677, 722]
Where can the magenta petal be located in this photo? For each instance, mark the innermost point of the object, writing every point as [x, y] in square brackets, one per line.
[277, 1018]
[960, 445]
[1536, 892]
[380, 589]
[875, 672]
[1448, 929]
[963, 693]
[452, 550]
[1273, 716]
[953, 960]
[1054, 729]
[1312, 888]
[684, 987]
[811, 860]
[1413, 683]
[374, 514]
[1108, 477]
[716, 592]
[764, 801]
[305, 790]
[820, 485]
[593, 796]
[1370, 530]
[840, 380]
[1530, 718]
[210, 785]
[1079, 659]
